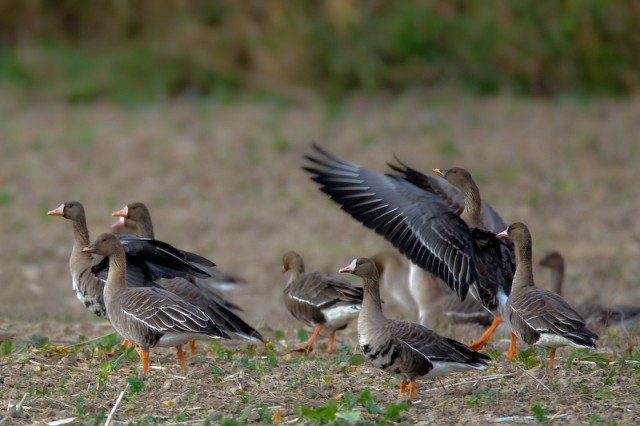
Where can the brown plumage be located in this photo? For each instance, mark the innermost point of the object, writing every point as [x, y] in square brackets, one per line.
[146, 316]
[318, 300]
[401, 347]
[595, 314]
[535, 315]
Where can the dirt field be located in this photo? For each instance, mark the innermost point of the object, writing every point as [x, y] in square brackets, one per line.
[224, 180]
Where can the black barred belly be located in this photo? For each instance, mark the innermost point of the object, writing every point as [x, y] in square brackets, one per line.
[392, 358]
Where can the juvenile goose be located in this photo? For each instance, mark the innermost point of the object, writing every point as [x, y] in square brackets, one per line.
[318, 300]
[147, 259]
[595, 314]
[535, 315]
[148, 316]
[420, 217]
[401, 347]
[197, 291]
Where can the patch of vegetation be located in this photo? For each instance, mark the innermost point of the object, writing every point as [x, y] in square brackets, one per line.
[555, 49]
[345, 410]
[539, 412]
[481, 396]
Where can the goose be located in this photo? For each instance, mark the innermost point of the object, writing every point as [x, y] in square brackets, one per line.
[199, 291]
[419, 215]
[401, 347]
[318, 300]
[535, 315]
[148, 316]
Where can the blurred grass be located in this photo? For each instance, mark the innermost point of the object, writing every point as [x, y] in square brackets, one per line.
[82, 51]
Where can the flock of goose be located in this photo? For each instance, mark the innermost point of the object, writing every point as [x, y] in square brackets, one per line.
[155, 294]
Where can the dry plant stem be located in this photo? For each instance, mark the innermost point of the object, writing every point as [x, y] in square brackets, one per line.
[481, 342]
[115, 407]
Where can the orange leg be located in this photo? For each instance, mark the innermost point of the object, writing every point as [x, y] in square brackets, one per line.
[412, 390]
[552, 356]
[180, 355]
[403, 387]
[481, 342]
[144, 357]
[126, 343]
[512, 347]
[192, 348]
[308, 347]
[332, 337]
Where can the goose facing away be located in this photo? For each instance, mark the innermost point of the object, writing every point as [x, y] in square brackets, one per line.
[318, 300]
[146, 316]
[401, 347]
[419, 217]
[594, 314]
[535, 315]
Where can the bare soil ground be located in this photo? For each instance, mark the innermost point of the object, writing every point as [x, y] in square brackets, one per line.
[224, 180]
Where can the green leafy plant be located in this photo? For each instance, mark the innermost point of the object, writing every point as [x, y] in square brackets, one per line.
[135, 385]
[539, 412]
[528, 358]
[6, 346]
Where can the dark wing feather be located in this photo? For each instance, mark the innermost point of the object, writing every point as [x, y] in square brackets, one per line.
[163, 311]
[435, 347]
[546, 312]
[495, 261]
[417, 222]
[324, 291]
[449, 193]
[161, 259]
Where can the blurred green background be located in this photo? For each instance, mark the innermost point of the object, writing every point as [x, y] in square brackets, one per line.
[132, 51]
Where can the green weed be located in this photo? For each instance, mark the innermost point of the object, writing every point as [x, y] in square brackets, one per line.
[539, 412]
[481, 396]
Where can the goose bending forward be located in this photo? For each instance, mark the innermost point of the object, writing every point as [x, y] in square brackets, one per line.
[148, 316]
[536, 315]
[405, 348]
[318, 300]
[595, 314]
